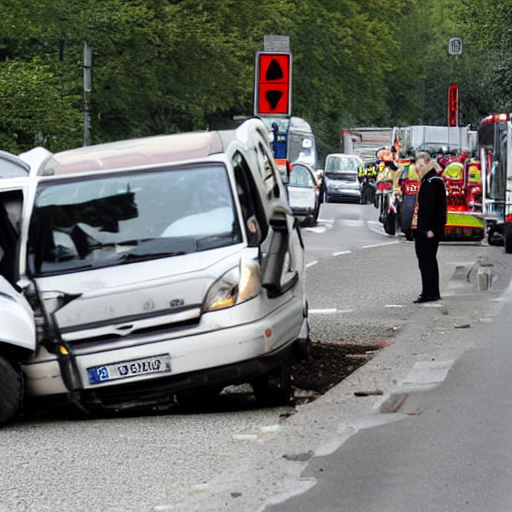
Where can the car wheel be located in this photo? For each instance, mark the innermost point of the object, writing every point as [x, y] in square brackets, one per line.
[11, 390]
[508, 237]
[390, 223]
[314, 216]
[275, 387]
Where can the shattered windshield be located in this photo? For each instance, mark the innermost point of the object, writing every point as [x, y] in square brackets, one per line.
[118, 219]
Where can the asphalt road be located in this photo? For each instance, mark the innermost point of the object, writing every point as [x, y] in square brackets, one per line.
[441, 441]
[361, 284]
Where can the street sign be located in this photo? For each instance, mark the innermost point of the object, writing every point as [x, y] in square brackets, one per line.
[273, 80]
[453, 105]
[455, 46]
[273, 43]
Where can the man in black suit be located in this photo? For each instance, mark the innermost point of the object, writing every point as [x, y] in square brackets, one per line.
[428, 221]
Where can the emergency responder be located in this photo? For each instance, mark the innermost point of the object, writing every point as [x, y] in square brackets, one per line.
[367, 184]
[361, 173]
[388, 188]
[427, 224]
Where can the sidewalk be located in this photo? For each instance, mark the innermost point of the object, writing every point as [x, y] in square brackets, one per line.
[418, 358]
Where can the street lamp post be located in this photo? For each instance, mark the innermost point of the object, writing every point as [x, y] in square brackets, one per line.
[87, 90]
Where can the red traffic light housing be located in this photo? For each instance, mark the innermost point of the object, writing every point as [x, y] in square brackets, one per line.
[272, 84]
[453, 105]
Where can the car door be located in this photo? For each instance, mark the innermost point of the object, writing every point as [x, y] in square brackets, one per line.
[284, 264]
[301, 190]
[16, 317]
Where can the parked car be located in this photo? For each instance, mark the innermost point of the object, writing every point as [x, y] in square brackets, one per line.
[155, 268]
[341, 175]
[17, 327]
[304, 193]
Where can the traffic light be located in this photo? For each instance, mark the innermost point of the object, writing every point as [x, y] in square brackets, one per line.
[272, 84]
[453, 105]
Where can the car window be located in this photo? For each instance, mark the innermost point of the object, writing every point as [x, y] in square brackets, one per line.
[248, 196]
[300, 177]
[10, 224]
[268, 172]
[111, 220]
[10, 169]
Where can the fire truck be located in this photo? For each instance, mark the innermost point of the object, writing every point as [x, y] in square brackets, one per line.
[462, 176]
[461, 172]
[364, 142]
[495, 149]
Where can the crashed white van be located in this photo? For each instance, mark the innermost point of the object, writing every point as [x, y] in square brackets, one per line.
[154, 267]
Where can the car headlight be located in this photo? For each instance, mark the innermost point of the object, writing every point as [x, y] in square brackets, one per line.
[236, 286]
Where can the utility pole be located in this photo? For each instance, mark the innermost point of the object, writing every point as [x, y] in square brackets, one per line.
[87, 90]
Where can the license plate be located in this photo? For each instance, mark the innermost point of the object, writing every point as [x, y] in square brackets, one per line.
[127, 369]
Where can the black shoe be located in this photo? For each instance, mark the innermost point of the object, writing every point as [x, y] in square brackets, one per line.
[422, 299]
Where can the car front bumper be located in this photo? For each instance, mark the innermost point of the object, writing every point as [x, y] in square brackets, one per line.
[354, 194]
[220, 356]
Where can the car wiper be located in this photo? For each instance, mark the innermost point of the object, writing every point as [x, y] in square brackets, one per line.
[215, 241]
[131, 257]
[135, 241]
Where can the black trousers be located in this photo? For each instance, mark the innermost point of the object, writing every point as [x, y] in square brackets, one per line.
[426, 252]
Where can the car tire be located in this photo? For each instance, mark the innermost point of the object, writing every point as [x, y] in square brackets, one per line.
[314, 217]
[11, 390]
[507, 237]
[390, 223]
[274, 388]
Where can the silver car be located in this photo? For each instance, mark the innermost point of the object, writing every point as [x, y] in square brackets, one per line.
[304, 193]
[159, 267]
[341, 175]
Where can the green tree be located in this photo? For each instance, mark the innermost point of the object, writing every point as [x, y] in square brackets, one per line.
[36, 109]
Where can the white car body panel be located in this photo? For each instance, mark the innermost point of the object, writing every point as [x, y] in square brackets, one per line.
[16, 318]
[302, 197]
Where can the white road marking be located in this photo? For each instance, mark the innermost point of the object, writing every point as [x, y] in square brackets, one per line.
[427, 374]
[340, 253]
[322, 225]
[322, 311]
[311, 264]
[317, 229]
[393, 306]
[380, 245]
[355, 223]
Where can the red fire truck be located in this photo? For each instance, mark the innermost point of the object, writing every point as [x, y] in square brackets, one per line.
[464, 197]
[495, 149]
[461, 174]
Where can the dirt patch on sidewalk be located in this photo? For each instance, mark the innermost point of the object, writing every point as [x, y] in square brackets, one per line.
[328, 365]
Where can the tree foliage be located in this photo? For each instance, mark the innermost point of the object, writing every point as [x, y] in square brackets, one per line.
[163, 66]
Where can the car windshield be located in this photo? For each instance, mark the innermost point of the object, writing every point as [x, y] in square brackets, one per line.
[339, 164]
[123, 218]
